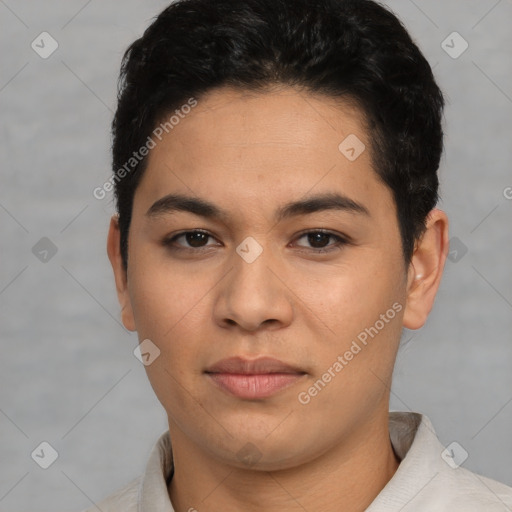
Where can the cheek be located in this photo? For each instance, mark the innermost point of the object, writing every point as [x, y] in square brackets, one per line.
[166, 311]
[162, 296]
[170, 309]
[361, 305]
[351, 297]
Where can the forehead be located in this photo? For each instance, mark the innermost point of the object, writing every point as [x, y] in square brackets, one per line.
[279, 117]
[262, 148]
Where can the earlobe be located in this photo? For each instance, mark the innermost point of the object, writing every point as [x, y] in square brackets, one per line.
[120, 274]
[426, 270]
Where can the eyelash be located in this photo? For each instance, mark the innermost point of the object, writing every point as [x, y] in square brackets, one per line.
[340, 241]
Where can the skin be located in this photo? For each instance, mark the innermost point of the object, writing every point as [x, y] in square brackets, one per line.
[249, 154]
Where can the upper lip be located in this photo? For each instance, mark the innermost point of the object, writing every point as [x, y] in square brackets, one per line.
[260, 366]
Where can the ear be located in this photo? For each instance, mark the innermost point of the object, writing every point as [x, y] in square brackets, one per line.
[426, 269]
[120, 274]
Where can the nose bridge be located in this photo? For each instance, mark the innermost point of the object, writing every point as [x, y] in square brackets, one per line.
[252, 263]
[251, 293]
[251, 277]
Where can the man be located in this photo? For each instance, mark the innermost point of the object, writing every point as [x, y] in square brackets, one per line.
[275, 171]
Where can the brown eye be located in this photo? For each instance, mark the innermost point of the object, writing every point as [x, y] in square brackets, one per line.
[196, 238]
[319, 240]
[189, 240]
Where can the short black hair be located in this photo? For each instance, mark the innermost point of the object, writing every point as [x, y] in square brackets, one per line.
[356, 50]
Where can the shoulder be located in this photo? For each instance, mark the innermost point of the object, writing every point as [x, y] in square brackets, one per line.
[430, 475]
[465, 491]
[125, 499]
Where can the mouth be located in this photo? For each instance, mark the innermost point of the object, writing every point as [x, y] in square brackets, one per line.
[253, 379]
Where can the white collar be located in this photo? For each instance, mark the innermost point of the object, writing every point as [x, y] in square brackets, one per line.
[424, 481]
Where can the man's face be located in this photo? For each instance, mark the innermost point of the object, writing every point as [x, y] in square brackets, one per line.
[255, 284]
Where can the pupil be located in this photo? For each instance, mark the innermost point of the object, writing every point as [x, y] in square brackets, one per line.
[318, 237]
[195, 239]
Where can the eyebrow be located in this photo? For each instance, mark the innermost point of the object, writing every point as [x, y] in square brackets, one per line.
[331, 201]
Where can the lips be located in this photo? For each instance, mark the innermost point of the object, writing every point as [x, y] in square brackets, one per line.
[253, 379]
[260, 366]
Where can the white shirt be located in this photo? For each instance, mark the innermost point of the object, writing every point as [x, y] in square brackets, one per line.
[428, 479]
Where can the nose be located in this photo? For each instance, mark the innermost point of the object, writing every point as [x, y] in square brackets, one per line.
[254, 295]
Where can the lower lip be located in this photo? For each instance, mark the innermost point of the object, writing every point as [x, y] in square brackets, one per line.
[254, 386]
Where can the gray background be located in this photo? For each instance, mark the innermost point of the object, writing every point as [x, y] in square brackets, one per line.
[67, 372]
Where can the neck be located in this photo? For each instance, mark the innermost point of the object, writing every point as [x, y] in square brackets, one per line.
[351, 474]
